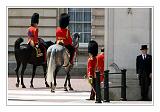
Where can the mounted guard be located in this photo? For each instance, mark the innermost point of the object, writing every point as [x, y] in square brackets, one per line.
[62, 53]
[33, 39]
[63, 35]
[34, 52]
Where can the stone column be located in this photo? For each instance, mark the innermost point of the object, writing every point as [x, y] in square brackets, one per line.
[109, 37]
[106, 33]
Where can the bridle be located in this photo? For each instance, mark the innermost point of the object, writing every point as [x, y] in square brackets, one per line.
[76, 44]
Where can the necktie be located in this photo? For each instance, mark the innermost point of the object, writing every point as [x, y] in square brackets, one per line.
[144, 57]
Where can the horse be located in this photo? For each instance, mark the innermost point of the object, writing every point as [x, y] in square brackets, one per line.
[58, 57]
[26, 54]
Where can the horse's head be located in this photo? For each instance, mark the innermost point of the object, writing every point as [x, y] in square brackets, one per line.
[76, 37]
[75, 44]
[45, 43]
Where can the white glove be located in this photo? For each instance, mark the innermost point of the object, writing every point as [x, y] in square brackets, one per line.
[37, 46]
[90, 80]
[137, 75]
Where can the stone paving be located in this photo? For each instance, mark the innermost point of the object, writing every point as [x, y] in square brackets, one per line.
[40, 95]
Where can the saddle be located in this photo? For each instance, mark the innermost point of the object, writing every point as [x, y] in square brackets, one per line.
[35, 50]
[38, 49]
[60, 42]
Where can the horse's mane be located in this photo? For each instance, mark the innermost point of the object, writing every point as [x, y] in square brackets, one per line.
[18, 42]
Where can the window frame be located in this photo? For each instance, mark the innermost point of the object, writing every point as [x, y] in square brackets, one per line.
[82, 44]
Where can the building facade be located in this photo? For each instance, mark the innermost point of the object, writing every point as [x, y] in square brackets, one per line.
[121, 31]
[126, 29]
[86, 21]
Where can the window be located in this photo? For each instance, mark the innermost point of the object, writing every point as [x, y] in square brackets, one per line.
[80, 22]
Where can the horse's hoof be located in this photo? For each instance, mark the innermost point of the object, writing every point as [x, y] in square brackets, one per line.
[23, 86]
[65, 89]
[52, 91]
[17, 85]
[47, 85]
[31, 86]
[71, 89]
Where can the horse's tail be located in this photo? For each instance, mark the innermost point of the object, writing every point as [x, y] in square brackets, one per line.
[17, 43]
[51, 67]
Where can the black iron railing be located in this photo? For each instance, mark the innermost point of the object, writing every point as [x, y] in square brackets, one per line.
[106, 86]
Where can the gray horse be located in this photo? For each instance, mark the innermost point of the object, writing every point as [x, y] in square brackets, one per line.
[58, 57]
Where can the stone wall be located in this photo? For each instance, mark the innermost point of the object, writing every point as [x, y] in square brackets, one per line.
[126, 33]
[98, 25]
[19, 20]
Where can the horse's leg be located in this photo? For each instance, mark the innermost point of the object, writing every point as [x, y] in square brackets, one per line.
[16, 70]
[55, 75]
[33, 74]
[54, 79]
[52, 89]
[67, 69]
[65, 83]
[44, 69]
[69, 83]
[24, 65]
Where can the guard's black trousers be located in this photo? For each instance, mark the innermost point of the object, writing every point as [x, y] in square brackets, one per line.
[92, 95]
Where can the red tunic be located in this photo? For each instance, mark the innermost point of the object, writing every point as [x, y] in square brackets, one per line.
[100, 65]
[91, 67]
[63, 34]
[33, 34]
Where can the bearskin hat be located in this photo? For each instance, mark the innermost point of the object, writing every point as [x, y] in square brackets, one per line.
[64, 20]
[34, 19]
[93, 48]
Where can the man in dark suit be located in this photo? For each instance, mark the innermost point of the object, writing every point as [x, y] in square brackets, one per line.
[144, 70]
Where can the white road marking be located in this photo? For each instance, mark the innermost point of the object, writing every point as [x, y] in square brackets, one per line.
[60, 97]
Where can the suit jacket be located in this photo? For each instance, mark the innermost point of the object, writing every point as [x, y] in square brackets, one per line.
[144, 66]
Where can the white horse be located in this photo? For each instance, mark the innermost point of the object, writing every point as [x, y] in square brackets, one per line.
[58, 57]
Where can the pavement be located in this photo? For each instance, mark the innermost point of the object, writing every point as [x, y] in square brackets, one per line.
[40, 95]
